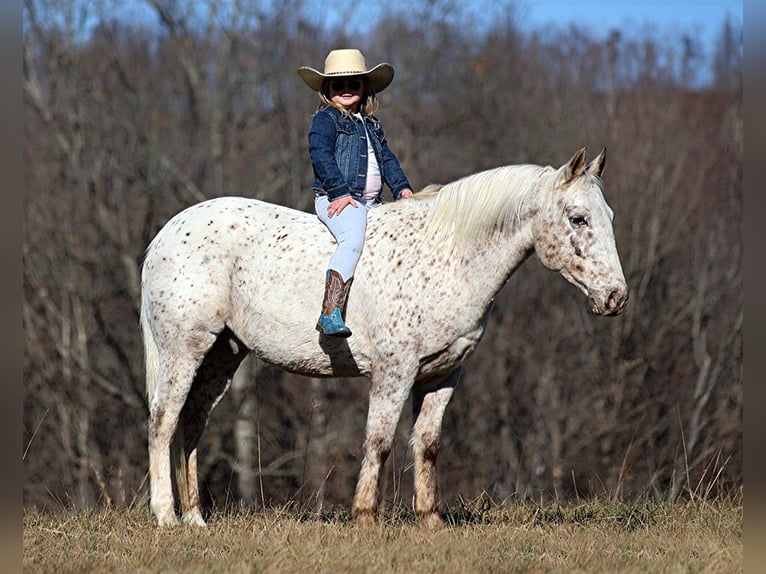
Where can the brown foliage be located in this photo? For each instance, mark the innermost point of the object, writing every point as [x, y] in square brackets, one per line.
[125, 126]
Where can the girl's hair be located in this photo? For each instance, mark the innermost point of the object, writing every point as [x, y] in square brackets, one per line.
[368, 104]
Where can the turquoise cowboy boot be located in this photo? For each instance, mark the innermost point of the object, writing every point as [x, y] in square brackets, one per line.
[334, 306]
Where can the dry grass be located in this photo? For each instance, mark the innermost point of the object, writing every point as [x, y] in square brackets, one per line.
[598, 536]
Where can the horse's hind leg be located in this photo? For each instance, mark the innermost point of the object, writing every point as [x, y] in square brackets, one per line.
[428, 407]
[174, 382]
[211, 383]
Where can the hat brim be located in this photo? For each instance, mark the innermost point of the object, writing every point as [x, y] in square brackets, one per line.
[380, 77]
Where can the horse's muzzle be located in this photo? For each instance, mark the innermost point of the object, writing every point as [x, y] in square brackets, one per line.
[613, 304]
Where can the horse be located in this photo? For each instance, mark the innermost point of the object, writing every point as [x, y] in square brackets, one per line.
[231, 276]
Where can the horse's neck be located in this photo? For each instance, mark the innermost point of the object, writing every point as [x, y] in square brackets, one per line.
[487, 266]
[486, 261]
[474, 271]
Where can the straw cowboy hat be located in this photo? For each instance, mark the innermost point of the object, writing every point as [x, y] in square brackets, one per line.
[347, 63]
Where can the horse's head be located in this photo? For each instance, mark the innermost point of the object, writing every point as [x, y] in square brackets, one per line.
[574, 235]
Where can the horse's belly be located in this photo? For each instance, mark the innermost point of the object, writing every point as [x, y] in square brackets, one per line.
[297, 347]
[315, 364]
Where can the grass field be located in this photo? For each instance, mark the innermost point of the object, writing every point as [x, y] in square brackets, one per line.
[596, 536]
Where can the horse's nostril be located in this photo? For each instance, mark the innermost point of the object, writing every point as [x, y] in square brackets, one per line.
[614, 301]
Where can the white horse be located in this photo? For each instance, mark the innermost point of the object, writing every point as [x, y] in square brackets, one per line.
[233, 275]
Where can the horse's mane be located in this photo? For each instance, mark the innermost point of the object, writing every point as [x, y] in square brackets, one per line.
[478, 205]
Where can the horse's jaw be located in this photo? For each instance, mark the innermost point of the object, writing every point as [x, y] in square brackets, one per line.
[608, 300]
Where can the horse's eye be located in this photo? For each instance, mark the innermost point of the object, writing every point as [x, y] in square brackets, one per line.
[578, 220]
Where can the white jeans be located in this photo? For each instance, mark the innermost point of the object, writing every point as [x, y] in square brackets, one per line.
[348, 228]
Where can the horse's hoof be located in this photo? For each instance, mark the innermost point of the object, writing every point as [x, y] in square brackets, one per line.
[365, 519]
[167, 519]
[433, 521]
[194, 518]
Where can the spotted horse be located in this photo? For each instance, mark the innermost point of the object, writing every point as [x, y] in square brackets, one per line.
[232, 276]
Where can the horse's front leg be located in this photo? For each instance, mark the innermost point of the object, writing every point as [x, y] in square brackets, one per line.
[388, 393]
[428, 407]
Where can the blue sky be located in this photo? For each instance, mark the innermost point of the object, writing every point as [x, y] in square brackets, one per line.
[661, 18]
[702, 18]
[614, 13]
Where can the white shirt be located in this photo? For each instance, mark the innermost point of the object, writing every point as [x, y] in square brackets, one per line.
[374, 184]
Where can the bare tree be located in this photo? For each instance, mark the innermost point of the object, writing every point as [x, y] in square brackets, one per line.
[125, 125]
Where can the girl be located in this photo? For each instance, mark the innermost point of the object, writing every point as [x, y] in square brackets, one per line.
[351, 161]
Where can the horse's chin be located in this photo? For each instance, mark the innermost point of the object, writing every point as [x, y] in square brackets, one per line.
[594, 307]
[601, 309]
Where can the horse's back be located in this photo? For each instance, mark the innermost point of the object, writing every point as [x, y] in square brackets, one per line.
[218, 223]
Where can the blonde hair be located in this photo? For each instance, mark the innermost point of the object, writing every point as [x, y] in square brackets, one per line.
[368, 105]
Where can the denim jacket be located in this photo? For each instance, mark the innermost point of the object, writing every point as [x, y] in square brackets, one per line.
[338, 150]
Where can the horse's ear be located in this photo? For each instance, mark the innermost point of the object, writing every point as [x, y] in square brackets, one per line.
[575, 167]
[596, 167]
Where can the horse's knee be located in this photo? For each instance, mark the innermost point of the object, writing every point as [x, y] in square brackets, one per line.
[425, 441]
[377, 448]
[426, 448]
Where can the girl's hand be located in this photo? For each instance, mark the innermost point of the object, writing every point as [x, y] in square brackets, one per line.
[337, 205]
[406, 193]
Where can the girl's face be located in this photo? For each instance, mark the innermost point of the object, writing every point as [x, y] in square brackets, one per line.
[346, 92]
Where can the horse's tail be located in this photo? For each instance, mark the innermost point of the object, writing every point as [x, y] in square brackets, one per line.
[151, 354]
